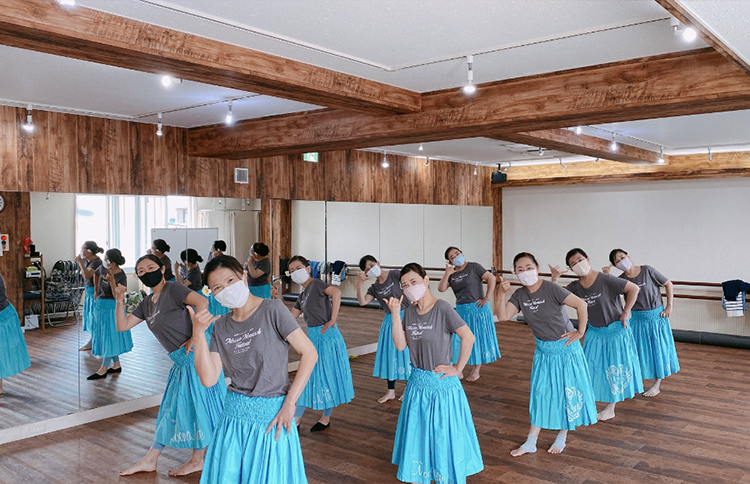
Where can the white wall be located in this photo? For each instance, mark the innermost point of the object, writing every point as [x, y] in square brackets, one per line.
[53, 226]
[694, 230]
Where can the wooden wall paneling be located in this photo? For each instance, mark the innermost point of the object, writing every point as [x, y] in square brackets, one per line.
[15, 220]
[203, 177]
[385, 191]
[40, 153]
[338, 173]
[308, 179]
[176, 160]
[25, 155]
[425, 181]
[265, 221]
[91, 169]
[141, 139]
[9, 161]
[63, 154]
[497, 230]
[405, 179]
[444, 188]
[276, 177]
[281, 226]
[162, 184]
[118, 160]
[251, 190]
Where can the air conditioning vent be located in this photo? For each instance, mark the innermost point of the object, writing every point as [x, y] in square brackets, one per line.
[241, 176]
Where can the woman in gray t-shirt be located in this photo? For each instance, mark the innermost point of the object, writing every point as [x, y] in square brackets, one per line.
[435, 436]
[258, 268]
[467, 281]
[561, 396]
[650, 320]
[609, 345]
[251, 344]
[330, 384]
[89, 262]
[188, 412]
[189, 273]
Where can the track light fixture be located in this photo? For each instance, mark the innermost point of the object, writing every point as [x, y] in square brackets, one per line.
[28, 126]
[476, 169]
[710, 155]
[578, 130]
[541, 151]
[596, 160]
[159, 132]
[660, 160]
[427, 161]
[385, 163]
[67, 3]
[563, 164]
[169, 81]
[613, 146]
[688, 33]
[470, 88]
[421, 147]
[230, 118]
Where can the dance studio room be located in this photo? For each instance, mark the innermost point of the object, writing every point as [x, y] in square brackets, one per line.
[374, 241]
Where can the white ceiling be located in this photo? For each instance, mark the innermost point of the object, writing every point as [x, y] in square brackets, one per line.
[727, 20]
[415, 44]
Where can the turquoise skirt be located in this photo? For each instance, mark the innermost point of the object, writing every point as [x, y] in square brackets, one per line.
[330, 383]
[215, 308]
[189, 412]
[88, 309]
[14, 357]
[613, 362]
[655, 344]
[482, 323]
[106, 341]
[435, 436]
[390, 363]
[561, 397]
[242, 452]
[263, 291]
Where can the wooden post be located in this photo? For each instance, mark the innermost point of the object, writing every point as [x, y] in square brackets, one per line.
[497, 228]
[15, 220]
[276, 229]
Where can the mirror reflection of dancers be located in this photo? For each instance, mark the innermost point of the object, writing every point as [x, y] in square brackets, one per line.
[14, 356]
[159, 248]
[217, 248]
[472, 304]
[89, 262]
[561, 396]
[255, 441]
[330, 384]
[609, 345]
[107, 342]
[435, 436]
[189, 411]
[650, 320]
[390, 364]
[189, 272]
[258, 268]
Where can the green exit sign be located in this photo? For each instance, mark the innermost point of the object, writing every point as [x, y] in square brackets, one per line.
[312, 157]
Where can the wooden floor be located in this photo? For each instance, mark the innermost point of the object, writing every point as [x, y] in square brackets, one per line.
[696, 431]
[55, 385]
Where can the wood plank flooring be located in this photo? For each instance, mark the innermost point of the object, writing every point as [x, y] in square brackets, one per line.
[696, 431]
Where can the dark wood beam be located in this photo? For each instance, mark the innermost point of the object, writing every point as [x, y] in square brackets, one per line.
[90, 35]
[581, 144]
[683, 15]
[675, 84]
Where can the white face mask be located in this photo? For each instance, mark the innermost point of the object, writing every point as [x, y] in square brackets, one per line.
[582, 268]
[528, 278]
[234, 295]
[300, 276]
[415, 293]
[374, 271]
[624, 265]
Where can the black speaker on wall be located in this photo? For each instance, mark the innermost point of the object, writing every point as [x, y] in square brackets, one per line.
[499, 177]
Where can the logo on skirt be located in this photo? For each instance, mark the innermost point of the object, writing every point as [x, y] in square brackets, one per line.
[619, 378]
[574, 403]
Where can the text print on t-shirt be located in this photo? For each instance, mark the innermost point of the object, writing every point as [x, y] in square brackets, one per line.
[386, 290]
[240, 342]
[417, 329]
[591, 298]
[458, 277]
[533, 304]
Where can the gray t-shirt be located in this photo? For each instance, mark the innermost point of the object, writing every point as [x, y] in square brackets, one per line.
[315, 305]
[388, 289]
[4, 302]
[168, 274]
[93, 264]
[467, 284]
[429, 335]
[195, 278]
[603, 298]
[104, 291]
[650, 281]
[254, 352]
[261, 265]
[544, 310]
[168, 317]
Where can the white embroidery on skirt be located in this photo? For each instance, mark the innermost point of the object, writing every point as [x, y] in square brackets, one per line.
[619, 378]
[574, 404]
[433, 475]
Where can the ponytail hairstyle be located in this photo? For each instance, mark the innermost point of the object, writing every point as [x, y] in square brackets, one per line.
[161, 245]
[115, 256]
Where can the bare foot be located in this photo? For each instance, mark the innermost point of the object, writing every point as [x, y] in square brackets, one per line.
[85, 348]
[519, 451]
[195, 464]
[606, 414]
[390, 395]
[401, 398]
[147, 464]
[653, 391]
[474, 376]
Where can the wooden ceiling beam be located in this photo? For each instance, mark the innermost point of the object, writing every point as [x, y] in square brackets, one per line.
[90, 35]
[581, 144]
[677, 84]
[683, 15]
